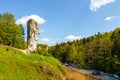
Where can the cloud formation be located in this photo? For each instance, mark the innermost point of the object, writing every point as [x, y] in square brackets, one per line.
[109, 18]
[72, 37]
[24, 19]
[48, 41]
[45, 40]
[95, 4]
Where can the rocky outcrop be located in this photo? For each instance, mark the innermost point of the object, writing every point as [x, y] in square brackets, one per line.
[32, 35]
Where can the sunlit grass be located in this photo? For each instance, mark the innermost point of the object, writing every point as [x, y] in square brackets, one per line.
[75, 75]
[14, 65]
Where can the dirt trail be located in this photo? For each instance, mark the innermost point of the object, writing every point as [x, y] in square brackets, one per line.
[24, 51]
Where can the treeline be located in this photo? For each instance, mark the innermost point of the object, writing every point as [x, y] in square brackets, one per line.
[99, 52]
[11, 34]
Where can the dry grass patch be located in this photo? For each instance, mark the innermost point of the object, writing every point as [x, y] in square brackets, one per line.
[75, 75]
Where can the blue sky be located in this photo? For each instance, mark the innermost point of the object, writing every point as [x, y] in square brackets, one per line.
[64, 20]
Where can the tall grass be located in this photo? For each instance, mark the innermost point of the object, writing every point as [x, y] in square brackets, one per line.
[75, 75]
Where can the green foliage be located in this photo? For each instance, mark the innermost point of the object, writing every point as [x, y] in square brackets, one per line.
[100, 52]
[11, 34]
[14, 65]
[115, 50]
[72, 53]
[42, 49]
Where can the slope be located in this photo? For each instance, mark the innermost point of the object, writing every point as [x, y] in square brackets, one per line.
[14, 65]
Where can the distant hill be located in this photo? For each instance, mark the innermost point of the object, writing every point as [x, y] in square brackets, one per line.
[14, 65]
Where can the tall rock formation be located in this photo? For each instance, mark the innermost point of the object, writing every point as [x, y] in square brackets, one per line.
[32, 35]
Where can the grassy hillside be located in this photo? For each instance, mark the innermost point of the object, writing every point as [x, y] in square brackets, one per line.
[14, 65]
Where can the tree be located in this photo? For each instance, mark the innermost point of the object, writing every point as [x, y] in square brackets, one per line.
[115, 53]
[11, 34]
[100, 51]
[72, 53]
[42, 49]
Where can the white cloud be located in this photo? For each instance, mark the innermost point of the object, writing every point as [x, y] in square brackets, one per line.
[24, 19]
[48, 41]
[54, 41]
[111, 18]
[45, 40]
[95, 4]
[72, 37]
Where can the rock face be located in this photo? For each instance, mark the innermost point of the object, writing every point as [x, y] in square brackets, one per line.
[32, 35]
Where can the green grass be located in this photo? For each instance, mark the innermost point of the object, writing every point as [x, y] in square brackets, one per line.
[14, 65]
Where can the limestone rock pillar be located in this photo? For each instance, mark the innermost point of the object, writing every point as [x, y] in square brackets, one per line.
[32, 35]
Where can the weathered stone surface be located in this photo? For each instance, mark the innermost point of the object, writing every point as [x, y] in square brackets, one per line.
[32, 35]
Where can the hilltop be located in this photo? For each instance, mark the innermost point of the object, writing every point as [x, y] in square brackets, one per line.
[15, 65]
